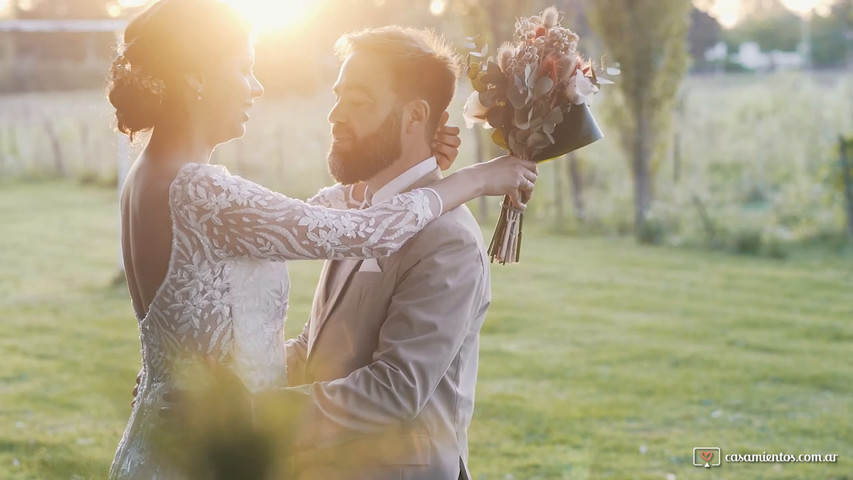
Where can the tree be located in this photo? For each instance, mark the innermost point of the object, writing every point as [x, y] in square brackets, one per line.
[649, 39]
[704, 33]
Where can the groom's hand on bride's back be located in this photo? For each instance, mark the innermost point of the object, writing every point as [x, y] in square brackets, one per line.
[445, 145]
[135, 391]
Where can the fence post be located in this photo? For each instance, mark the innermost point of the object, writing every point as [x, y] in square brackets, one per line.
[848, 182]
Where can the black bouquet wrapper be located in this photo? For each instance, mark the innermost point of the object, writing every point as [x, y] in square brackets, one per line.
[577, 130]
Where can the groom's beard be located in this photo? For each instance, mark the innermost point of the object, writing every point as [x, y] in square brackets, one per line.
[366, 156]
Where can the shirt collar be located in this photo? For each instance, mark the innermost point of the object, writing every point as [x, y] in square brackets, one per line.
[410, 176]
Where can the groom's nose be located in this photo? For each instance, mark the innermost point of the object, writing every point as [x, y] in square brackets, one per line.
[336, 114]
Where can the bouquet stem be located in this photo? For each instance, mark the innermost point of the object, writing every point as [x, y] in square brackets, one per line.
[505, 246]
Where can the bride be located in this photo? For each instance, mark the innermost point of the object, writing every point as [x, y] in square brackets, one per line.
[205, 250]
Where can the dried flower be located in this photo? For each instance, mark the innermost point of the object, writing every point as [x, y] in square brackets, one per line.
[550, 17]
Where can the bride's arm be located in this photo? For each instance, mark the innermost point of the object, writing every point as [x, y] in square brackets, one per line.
[243, 219]
[239, 218]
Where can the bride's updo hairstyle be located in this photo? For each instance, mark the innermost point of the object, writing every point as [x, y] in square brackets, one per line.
[163, 44]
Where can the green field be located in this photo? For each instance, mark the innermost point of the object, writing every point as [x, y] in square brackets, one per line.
[599, 359]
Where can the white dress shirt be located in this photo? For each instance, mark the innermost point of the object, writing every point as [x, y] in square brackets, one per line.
[399, 183]
[395, 186]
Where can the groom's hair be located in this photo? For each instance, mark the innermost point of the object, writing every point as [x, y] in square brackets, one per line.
[424, 66]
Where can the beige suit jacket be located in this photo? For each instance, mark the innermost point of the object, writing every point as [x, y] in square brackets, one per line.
[390, 358]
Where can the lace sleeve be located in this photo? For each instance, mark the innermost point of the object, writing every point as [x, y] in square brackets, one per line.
[337, 196]
[235, 217]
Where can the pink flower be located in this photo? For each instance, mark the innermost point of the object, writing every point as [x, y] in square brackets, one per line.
[549, 67]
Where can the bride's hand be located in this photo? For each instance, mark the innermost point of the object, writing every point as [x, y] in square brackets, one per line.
[508, 175]
[445, 145]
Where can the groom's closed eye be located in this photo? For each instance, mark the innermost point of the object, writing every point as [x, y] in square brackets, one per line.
[354, 95]
[356, 100]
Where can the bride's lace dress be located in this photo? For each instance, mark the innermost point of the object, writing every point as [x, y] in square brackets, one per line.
[225, 292]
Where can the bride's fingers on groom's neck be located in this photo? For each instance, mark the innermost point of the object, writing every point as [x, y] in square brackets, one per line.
[451, 131]
[444, 156]
[444, 118]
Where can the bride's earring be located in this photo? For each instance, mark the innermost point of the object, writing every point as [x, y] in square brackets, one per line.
[198, 95]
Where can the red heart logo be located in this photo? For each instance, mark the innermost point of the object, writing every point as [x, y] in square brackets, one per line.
[706, 455]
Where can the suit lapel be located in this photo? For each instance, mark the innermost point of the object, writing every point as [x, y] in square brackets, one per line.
[318, 305]
[336, 277]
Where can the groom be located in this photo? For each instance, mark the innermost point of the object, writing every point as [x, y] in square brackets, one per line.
[387, 362]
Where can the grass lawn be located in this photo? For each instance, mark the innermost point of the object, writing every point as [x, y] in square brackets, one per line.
[599, 359]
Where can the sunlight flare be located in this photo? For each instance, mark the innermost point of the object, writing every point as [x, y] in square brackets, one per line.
[132, 3]
[437, 7]
[806, 7]
[273, 15]
[727, 12]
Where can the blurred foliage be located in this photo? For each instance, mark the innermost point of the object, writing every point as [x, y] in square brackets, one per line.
[774, 27]
[215, 432]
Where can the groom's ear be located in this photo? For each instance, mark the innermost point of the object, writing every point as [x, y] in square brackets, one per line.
[415, 116]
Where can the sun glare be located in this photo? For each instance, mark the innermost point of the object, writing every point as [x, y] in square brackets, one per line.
[804, 7]
[132, 3]
[114, 10]
[727, 12]
[273, 15]
[437, 7]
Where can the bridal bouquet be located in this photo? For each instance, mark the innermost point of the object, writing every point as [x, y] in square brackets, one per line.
[536, 98]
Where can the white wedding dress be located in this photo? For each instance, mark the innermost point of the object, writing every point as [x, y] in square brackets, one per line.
[225, 292]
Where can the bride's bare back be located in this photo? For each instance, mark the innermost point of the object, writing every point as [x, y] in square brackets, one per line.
[146, 229]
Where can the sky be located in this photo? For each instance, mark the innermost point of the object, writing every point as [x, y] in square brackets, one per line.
[727, 12]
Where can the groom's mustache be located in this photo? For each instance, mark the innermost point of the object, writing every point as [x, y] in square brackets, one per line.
[342, 130]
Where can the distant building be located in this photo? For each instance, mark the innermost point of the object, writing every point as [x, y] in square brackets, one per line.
[717, 53]
[750, 56]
